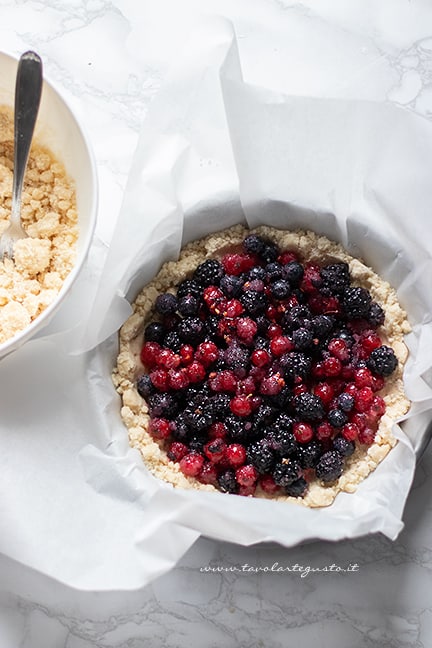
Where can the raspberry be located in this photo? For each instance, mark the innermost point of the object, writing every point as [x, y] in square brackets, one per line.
[191, 464]
[260, 358]
[178, 379]
[233, 308]
[207, 353]
[186, 353]
[168, 359]
[177, 451]
[149, 354]
[215, 450]
[217, 430]
[363, 399]
[303, 432]
[159, 428]
[195, 372]
[272, 385]
[159, 378]
[350, 431]
[339, 349]
[324, 431]
[246, 329]
[223, 381]
[246, 475]
[235, 454]
[268, 484]
[370, 342]
[363, 377]
[208, 474]
[241, 406]
[331, 367]
[367, 436]
[280, 345]
[236, 264]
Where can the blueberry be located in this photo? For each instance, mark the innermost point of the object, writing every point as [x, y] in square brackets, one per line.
[154, 332]
[337, 418]
[166, 304]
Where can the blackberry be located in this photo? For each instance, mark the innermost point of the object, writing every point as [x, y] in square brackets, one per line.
[302, 338]
[190, 329]
[172, 341]
[345, 402]
[281, 289]
[236, 357]
[283, 399]
[208, 273]
[273, 271]
[297, 488]
[257, 272]
[154, 332]
[254, 244]
[336, 279]
[188, 305]
[219, 405]
[166, 304]
[162, 404]
[284, 422]
[337, 418]
[295, 365]
[270, 252]
[285, 473]
[296, 317]
[308, 454]
[180, 429]
[211, 325]
[236, 427]
[356, 302]
[382, 361]
[330, 466]
[227, 482]
[189, 287]
[293, 272]
[261, 456]
[231, 285]
[196, 444]
[145, 386]
[263, 414]
[343, 446]
[322, 325]
[254, 302]
[198, 414]
[376, 315]
[282, 441]
[309, 407]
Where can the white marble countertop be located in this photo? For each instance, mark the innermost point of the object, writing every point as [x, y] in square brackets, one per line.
[361, 49]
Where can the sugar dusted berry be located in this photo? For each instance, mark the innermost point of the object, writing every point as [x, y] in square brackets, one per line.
[382, 361]
[191, 464]
[330, 466]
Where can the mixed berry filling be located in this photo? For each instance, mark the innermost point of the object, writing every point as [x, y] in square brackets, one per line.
[265, 370]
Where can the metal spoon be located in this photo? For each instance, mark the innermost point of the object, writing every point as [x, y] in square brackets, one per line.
[28, 90]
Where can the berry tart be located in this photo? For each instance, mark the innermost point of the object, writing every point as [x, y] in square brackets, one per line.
[264, 363]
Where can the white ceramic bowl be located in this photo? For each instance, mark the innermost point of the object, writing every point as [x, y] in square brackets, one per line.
[58, 129]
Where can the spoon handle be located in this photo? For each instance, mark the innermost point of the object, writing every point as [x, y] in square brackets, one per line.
[28, 90]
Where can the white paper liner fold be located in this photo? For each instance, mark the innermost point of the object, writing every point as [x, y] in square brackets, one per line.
[213, 152]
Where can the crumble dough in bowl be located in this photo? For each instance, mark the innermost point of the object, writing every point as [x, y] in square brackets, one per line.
[264, 363]
[58, 212]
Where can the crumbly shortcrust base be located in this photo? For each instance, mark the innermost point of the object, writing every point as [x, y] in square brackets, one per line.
[311, 247]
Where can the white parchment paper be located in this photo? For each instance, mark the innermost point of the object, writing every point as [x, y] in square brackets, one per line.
[77, 503]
